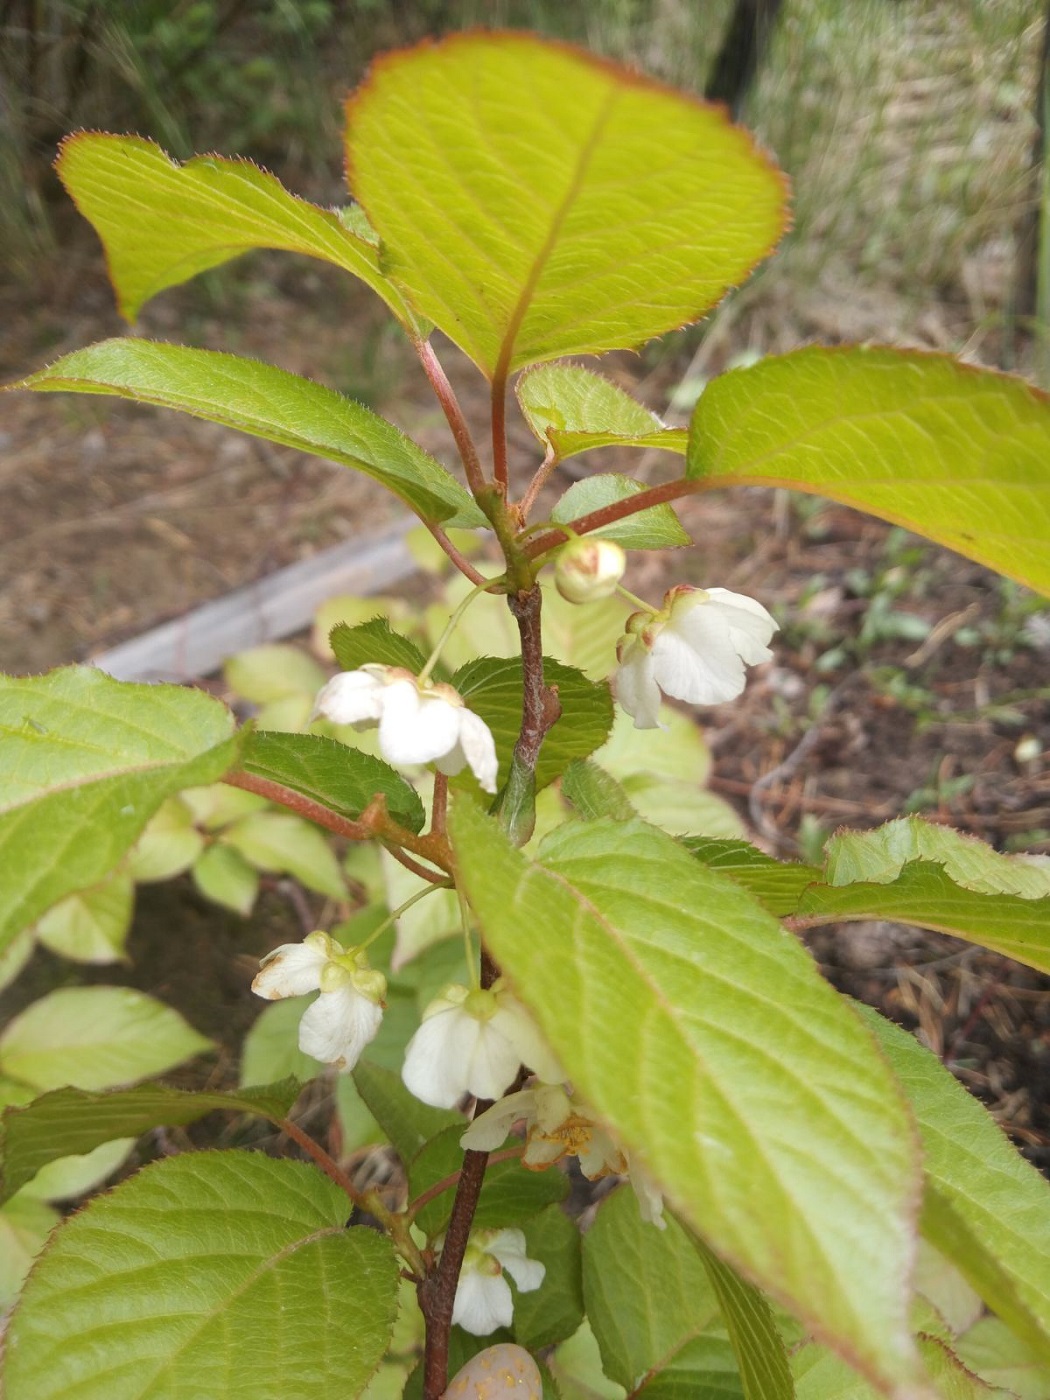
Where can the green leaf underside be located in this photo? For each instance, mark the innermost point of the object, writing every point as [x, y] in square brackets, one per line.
[266, 402]
[85, 761]
[215, 1273]
[655, 528]
[706, 1038]
[492, 687]
[67, 1122]
[406, 1121]
[573, 409]
[593, 793]
[162, 223]
[340, 778]
[955, 453]
[776, 884]
[985, 1208]
[599, 212]
[652, 1308]
[511, 1194]
[373, 643]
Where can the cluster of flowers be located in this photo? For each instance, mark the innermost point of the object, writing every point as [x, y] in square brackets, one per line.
[478, 1042]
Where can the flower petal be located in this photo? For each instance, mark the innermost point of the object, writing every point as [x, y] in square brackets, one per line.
[416, 728]
[482, 1304]
[508, 1246]
[437, 1055]
[338, 1026]
[352, 697]
[750, 625]
[494, 1062]
[291, 970]
[635, 686]
[516, 1026]
[475, 746]
[703, 669]
[489, 1130]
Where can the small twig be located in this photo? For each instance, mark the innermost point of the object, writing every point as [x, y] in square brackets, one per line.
[538, 482]
[403, 858]
[619, 510]
[424, 1198]
[500, 474]
[328, 1165]
[446, 397]
[460, 560]
[439, 808]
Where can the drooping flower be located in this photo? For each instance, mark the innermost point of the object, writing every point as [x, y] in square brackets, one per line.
[419, 721]
[474, 1042]
[556, 1126]
[483, 1299]
[336, 1028]
[695, 649]
[589, 569]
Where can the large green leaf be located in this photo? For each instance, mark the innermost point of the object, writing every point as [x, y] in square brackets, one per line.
[761, 1355]
[340, 778]
[161, 222]
[918, 872]
[984, 1207]
[221, 1275]
[573, 409]
[491, 687]
[956, 453]
[92, 925]
[709, 1042]
[374, 643]
[652, 1308]
[654, 528]
[552, 1312]
[776, 884]
[536, 201]
[269, 403]
[85, 761]
[71, 1122]
[406, 1121]
[95, 1038]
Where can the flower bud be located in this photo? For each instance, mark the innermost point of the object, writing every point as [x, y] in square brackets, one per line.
[589, 569]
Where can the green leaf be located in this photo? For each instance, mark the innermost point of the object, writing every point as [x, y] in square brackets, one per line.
[96, 1038]
[707, 1040]
[492, 688]
[92, 925]
[169, 845]
[554, 1311]
[655, 528]
[594, 793]
[223, 874]
[776, 884]
[955, 453]
[65, 1178]
[984, 1207]
[881, 855]
[70, 1122]
[162, 223]
[215, 1273]
[510, 1196]
[405, 1121]
[271, 1048]
[573, 409]
[374, 643]
[924, 894]
[287, 845]
[583, 637]
[999, 1357]
[821, 1376]
[652, 1308]
[85, 763]
[267, 673]
[339, 777]
[577, 1369]
[24, 1227]
[266, 402]
[535, 201]
[761, 1356]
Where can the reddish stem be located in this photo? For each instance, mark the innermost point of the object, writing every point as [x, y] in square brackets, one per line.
[619, 510]
[446, 397]
[500, 473]
[439, 809]
[446, 1183]
[437, 1292]
[327, 1164]
[461, 562]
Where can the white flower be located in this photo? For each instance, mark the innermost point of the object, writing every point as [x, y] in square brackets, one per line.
[474, 1042]
[483, 1298]
[589, 569]
[555, 1127]
[419, 721]
[336, 1028]
[648, 1195]
[695, 649]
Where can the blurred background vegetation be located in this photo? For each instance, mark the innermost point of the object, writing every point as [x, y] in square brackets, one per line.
[907, 125]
